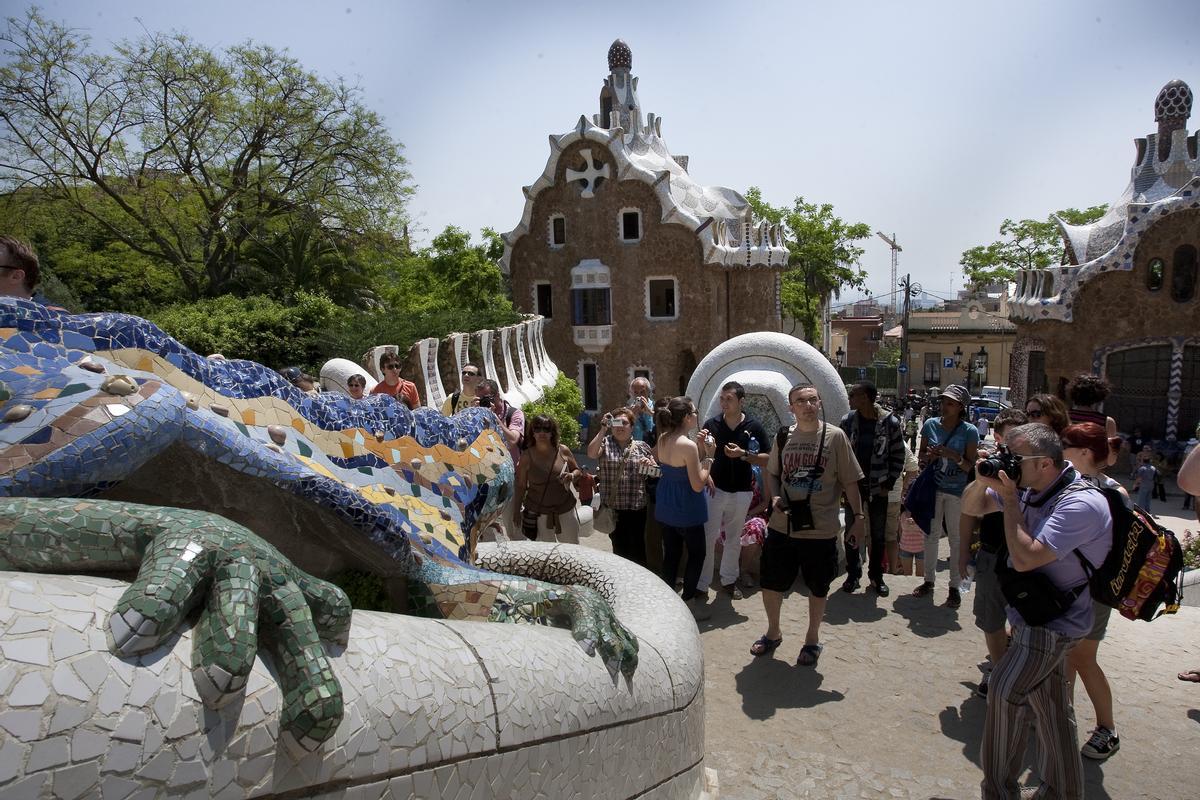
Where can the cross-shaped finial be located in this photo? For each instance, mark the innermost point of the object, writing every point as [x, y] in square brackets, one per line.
[590, 174]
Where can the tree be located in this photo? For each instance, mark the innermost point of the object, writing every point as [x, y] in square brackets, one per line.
[888, 354]
[1026, 244]
[451, 274]
[190, 156]
[823, 258]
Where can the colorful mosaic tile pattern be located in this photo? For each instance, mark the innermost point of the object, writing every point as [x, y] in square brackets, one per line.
[88, 400]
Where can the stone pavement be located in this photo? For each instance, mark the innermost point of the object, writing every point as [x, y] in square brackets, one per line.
[889, 710]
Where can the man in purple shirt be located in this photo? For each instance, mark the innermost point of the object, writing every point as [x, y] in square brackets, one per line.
[1046, 520]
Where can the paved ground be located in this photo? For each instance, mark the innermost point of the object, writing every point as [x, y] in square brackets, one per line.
[889, 711]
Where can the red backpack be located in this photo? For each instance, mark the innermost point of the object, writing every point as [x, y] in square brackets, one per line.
[1141, 572]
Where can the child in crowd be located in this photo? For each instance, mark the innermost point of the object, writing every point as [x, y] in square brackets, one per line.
[754, 533]
[912, 547]
[891, 533]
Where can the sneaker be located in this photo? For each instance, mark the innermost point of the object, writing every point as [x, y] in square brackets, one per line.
[850, 586]
[954, 600]
[732, 590]
[982, 689]
[1102, 744]
[881, 589]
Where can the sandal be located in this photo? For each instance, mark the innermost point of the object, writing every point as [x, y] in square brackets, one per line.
[809, 655]
[765, 646]
[923, 589]
[1191, 676]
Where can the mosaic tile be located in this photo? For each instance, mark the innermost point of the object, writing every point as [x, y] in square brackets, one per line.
[418, 485]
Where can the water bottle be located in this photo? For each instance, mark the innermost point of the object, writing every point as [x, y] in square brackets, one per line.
[964, 585]
[752, 447]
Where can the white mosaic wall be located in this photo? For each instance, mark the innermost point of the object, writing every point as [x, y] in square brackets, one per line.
[501, 710]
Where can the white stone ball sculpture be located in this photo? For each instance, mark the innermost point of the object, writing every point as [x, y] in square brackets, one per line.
[767, 364]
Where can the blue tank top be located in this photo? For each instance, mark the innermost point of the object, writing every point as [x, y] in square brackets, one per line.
[677, 505]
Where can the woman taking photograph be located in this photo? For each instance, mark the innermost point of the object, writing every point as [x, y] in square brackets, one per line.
[681, 508]
[1088, 448]
[545, 476]
[622, 483]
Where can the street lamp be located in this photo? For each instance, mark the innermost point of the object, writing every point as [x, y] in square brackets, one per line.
[981, 365]
[966, 368]
[840, 356]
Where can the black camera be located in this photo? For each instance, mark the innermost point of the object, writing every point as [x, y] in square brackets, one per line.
[1003, 461]
[799, 515]
[487, 401]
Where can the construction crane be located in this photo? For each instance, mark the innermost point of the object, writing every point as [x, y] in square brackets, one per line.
[896, 248]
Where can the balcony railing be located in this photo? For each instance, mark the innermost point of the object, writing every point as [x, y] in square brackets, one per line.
[593, 338]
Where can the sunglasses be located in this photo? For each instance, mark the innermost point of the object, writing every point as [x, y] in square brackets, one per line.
[1034, 414]
[391, 366]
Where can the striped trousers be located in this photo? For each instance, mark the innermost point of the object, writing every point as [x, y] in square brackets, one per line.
[1031, 677]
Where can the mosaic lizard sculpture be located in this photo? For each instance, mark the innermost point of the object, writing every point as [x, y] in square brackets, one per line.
[87, 401]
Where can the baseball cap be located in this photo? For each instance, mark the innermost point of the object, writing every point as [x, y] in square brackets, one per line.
[957, 393]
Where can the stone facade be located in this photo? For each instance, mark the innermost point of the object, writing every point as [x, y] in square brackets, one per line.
[691, 271]
[934, 336]
[1126, 304]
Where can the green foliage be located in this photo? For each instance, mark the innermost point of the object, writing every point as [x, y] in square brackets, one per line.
[888, 354]
[255, 327]
[451, 274]
[218, 165]
[83, 266]
[365, 590]
[1024, 244]
[823, 258]
[564, 403]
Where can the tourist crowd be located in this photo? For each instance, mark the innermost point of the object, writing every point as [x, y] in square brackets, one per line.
[727, 502]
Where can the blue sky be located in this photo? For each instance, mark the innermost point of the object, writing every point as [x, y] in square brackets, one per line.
[934, 121]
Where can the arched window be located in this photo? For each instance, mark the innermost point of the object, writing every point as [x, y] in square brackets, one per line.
[1183, 274]
[1154, 274]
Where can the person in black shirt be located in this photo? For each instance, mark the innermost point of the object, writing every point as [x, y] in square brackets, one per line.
[990, 616]
[741, 442]
[877, 438]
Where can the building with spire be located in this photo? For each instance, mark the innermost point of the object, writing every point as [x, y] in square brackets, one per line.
[637, 268]
[1124, 303]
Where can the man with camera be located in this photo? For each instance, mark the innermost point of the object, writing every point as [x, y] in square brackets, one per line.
[512, 419]
[806, 478]
[1049, 514]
